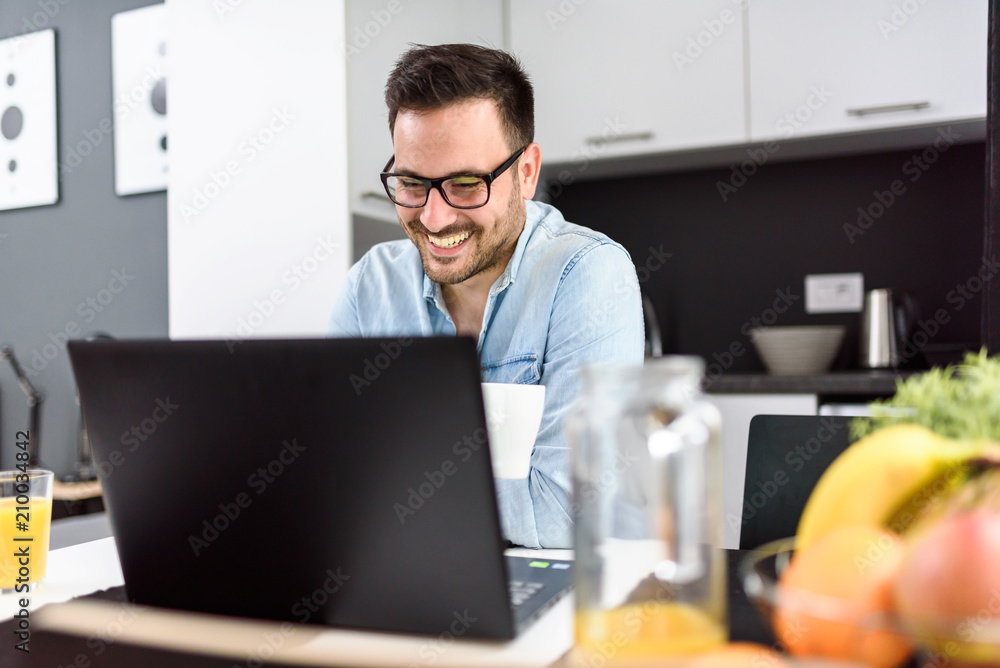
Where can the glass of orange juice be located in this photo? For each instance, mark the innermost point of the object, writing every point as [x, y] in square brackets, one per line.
[646, 466]
[25, 523]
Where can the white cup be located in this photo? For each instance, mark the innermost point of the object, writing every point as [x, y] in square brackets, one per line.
[513, 415]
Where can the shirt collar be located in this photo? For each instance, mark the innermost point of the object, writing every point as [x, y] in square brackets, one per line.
[533, 214]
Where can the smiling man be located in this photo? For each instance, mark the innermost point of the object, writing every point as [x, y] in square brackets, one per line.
[541, 296]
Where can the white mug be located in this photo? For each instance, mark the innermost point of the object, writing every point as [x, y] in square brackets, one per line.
[513, 415]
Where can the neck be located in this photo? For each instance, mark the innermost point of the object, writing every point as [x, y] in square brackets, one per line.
[466, 301]
[475, 288]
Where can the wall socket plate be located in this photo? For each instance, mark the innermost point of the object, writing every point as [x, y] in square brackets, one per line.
[835, 293]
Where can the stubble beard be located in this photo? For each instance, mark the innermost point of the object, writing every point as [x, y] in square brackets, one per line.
[491, 249]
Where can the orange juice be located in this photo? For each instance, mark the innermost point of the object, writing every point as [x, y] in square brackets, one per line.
[645, 631]
[38, 519]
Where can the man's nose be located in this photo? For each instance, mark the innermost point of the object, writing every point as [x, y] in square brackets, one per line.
[437, 214]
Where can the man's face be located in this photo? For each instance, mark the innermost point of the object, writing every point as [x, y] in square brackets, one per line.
[463, 138]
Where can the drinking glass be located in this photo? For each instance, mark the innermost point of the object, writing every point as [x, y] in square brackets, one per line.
[25, 523]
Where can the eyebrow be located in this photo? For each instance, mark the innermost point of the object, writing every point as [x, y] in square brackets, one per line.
[408, 172]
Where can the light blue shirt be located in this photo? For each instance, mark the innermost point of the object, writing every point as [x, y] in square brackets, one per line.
[568, 297]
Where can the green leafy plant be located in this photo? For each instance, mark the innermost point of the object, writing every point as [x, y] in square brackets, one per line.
[960, 402]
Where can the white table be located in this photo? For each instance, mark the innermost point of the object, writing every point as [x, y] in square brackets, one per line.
[88, 567]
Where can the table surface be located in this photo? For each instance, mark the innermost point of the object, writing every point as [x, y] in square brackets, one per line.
[103, 629]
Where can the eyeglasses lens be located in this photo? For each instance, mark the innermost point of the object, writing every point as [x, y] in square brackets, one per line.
[464, 191]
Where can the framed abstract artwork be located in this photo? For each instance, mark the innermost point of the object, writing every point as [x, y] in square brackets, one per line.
[139, 83]
[28, 142]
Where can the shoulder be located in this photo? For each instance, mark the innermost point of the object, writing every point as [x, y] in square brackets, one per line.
[555, 240]
[391, 259]
[391, 252]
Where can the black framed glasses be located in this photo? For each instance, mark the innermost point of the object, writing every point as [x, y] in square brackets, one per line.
[465, 191]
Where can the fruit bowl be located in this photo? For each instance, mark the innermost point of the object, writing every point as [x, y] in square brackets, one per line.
[970, 641]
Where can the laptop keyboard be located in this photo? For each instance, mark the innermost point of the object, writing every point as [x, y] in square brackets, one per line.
[520, 591]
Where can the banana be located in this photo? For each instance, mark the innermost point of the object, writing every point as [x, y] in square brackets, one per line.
[886, 480]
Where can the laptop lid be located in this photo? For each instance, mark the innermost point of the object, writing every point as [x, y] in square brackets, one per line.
[786, 455]
[336, 481]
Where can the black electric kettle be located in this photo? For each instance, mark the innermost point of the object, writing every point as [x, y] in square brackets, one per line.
[887, 325]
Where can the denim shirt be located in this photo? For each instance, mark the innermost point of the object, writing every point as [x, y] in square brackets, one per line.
[568, 297]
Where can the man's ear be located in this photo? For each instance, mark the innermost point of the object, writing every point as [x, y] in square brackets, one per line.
[528, 166]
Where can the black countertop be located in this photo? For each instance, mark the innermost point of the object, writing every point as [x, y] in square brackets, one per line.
[861, 383]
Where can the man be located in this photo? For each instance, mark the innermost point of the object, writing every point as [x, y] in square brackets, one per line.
[542, 297]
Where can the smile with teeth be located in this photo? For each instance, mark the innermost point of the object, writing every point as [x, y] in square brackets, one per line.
[449, 242]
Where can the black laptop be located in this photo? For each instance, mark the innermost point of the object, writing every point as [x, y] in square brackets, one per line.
[344, 482]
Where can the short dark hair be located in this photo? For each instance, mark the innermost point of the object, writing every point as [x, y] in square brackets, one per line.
[432, 77]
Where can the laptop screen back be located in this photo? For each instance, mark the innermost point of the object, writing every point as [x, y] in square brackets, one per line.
[342, 482]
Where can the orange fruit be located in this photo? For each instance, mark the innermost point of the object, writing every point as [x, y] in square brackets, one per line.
[835, 598]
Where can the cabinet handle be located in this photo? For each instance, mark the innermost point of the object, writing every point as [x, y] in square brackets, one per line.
[371, 194]
[908, 106]
[633, 136]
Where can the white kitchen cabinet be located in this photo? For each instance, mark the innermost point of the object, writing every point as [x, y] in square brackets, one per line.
[737, 410]
[820, 68]
[627, 78]
[377, 33]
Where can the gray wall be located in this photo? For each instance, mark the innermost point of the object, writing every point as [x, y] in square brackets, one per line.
[54, 259]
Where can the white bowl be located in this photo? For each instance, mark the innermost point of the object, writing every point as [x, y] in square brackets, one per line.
[792, 351]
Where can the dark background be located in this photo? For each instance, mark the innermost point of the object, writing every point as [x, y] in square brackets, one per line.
[785, 222]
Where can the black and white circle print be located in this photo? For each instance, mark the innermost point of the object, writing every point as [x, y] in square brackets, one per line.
[30, 176]
[139, 76]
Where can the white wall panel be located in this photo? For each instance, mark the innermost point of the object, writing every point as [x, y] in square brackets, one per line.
[259, 239]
